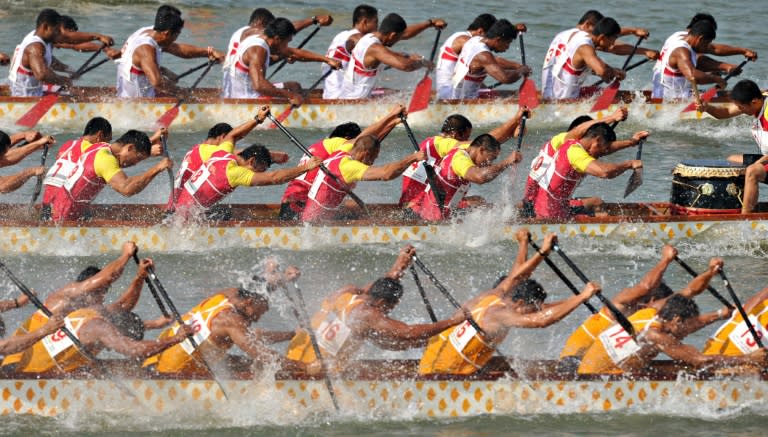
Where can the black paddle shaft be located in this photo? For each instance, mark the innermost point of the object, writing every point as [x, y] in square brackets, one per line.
[193, 69]
[79, 72]
[428, 168]
[740, 308]
[152, 289]
[711, 289]
[39, 183]
[626, 61]
[302, 44]
[562, 276]
[423, 294]
[618, 315]
[523, 119]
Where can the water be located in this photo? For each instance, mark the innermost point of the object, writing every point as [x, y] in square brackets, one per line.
[464, 268]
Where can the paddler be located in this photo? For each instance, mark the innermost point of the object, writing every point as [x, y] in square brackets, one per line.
[248, 69]
[139, 73]
[516, 301]
[747, 99]
[83, 169]
[10, 155]
[476, 61]
[343, 138]
[33, 64]
[353, 315]
[70, 37]
[224, 320]
[18, 343]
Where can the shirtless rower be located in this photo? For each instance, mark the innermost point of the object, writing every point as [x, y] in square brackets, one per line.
[747, 99]
[353, 315]
[84, 169]
[139, 73]
[476, 61]
[33, 64]
[516, 301]
[10, 155]
[248, 72]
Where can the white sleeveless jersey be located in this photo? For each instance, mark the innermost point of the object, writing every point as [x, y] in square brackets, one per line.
[567, 80]
[131, 80]
[229, 58]
[22, 80]
[446, 62]
[359, 80]
[240, 83]
[337, 50]
[464, 84]
[668, 82]
[555, 50]
[760, 128]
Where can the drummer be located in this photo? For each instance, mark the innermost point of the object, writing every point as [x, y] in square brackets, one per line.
[747, 98]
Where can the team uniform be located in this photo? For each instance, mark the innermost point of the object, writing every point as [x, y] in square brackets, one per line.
[614, 346]
[567, 79]
[450, 180]
[213, 181]
[759, 128]
[332, 87]
[446, 63]
[585, 335]
[415, 176]
[240, 85]
[77, 177]
[360, 80]
[734, 337]
[229, 59]
[556, 48]
[193, 160]
[33, 323]
[132, 81]
[670, 83]
[22, 80]
[466, 85]
[326, 195]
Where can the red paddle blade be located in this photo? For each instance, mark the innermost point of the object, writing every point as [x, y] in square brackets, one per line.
[707, 96]
[281, 118]
[166, 119]
[528, 95]
[37, 112]
[606, 98]
[421, 95]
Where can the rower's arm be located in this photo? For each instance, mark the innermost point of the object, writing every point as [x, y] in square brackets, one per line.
[720, 112]
[241, 131]
[80, 47]
[255, 57]
[728, 50]
[700, 282]
[277, 177]
[705, 63]
[14, 182]
[482, 175]
[383, 127]
[649, 282]
[523, 270]
[691, 355]
[20, 342]
[621, 48]
[507, 130]
[75, 38]
[396, 60]
[685, 65]
[597, 65]
[128, 300]
[387, 172]
[308, 56]
[415, 29]
[145, 57]
[402, 262]
[395, 335]
[491, 65]
[271, 337]
[548, 316]
[130, 185]
[246, 339]
[39, 69]
[320, 20]
[609, 170]
[111, 338]
[16, 154]
[189, 51]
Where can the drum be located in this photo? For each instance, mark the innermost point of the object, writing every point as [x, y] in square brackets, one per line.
[707, 186]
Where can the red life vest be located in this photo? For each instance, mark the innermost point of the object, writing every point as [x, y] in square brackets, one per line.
[325, 195]
[189, 165]
[556, 180]
[72, 181]
[415, 177]
[209, 184]
[298, 189]
[450, 183]
[48, 190]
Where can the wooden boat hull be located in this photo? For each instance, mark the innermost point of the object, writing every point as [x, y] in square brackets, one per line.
[73, 113]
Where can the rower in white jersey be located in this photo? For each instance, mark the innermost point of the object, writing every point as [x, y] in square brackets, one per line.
[477, 61]
[31, 67]
[451, 49]
[247, 74]
[365, 19]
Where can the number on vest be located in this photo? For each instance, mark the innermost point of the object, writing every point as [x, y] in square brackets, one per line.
[201, 334]
[618, 344]
[58, 342]
[332, 334]
[743, 339]
[461, 335]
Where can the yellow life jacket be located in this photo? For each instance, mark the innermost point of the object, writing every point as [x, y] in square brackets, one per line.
[35, 321]
[734, 338]
[581, 339]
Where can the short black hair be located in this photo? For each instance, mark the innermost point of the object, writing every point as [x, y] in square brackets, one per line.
[503, 30]
[679, 306]
[601, 130]
[139, 139]
[704, 29]
[128, 323]
[168, 22]
[5, 142]
[87, 273]
[248, 294]
[482, 21]
[456, 123]
[259, 153]
[362, 12]
[663, 291]
[591, 16]
[96, 125]
[219, 129]
[347, 130]
[49, 17]
[578, 121]
[745, 91]
[607, 27]
[529, 291]
[367, 143]
[487, 142]
[701, 16]
[392, 23]
[168, 9]
[280, 27]
[69, 23]
[261, 15]
[388, 289]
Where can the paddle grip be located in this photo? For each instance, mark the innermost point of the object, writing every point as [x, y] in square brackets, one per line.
[740, 308]
[562, 276]
[523, 119]
[711, 289]
[39, 182]
[522, 48]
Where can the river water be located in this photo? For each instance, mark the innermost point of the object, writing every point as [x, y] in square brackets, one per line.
[465, 262]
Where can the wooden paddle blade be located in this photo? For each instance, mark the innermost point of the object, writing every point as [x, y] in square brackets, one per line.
[528, 95]
[166, 119]
[281, 118]
[707, 96]
[635, 180]
[421, 95]
[30, 119]
[606, 99]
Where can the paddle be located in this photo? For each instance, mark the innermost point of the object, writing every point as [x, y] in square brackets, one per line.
[617, 315]
[152, 289]
[609, 93]
[301, 45]
[739, 307]
[710, 93]
[430, 170]
[39, 183]
[79, 72]
[192, 70]
[423, 91]
[164, 142]
[636, 179]
[711, 289]
[561, 275]
[322, 167]
[423, 294]
[301, 314]
[93, 67]
[283, 115]
[166, 119]
[528, 96]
